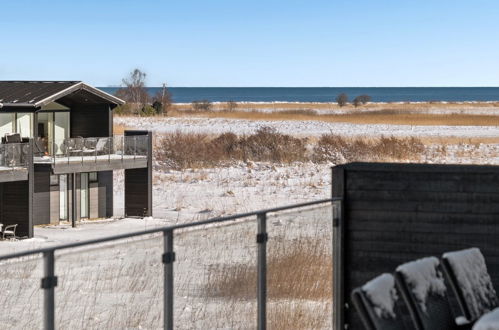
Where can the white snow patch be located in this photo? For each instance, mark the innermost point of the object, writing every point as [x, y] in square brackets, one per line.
[382, 294]
[473, 278]
[489, 321]
[423, 278]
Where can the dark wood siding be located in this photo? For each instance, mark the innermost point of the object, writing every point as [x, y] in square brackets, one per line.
[394, 213]
[138, 183]
[91, 120]
[41, 195]
[15, 205]
[136, 192]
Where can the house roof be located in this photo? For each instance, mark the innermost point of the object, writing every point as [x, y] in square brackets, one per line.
[35, 94]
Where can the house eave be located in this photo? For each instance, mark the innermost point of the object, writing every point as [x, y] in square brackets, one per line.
[79, 86]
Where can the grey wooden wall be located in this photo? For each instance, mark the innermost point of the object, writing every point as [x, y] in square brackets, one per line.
[138, 184]
[91, 121]
[15, 206]
[41, 194]
[394, 213]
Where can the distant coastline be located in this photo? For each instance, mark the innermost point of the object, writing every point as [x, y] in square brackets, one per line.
[327, 94]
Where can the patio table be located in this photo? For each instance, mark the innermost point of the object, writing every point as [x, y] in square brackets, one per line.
[489, 321]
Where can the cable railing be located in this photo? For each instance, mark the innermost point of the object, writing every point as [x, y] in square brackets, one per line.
[251, 270]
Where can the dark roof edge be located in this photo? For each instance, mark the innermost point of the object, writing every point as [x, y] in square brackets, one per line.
[54, 97]
[78, 86]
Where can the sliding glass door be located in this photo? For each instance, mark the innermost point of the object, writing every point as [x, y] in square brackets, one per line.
[84, 192]
[53, 129]
[63, 197]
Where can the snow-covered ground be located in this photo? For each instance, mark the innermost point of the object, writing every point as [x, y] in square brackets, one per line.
[300, 127]
[120, 286]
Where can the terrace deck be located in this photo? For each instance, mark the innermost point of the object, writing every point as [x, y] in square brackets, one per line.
[73, 164]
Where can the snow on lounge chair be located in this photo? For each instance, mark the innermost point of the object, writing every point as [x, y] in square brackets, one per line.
[423, 289]
[376, 301]
[467, 274]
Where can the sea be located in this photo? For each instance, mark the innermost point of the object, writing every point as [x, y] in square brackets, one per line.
[327, 94]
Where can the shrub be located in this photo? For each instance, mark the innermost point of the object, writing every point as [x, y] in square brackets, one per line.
[147, 110]
[269, 145]
[342, 99]
[230, 106]
[202, 105]
[181, 150]
[364, 98]
[337, 149]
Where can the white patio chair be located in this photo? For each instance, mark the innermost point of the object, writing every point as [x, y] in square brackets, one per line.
[9, 231]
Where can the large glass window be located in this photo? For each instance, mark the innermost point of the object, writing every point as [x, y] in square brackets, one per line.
[24, 123]
[61, 129]
[84, 195]
[63, 197]
[7, 121]
[53, 129]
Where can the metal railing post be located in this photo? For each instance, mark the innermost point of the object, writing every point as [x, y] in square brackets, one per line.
[49, 282]
[261, 239]
[168, 259]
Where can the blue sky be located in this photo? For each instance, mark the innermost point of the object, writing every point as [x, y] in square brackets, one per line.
[253, 43]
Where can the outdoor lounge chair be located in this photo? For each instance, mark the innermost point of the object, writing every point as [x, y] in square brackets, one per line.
[423, 289]
[101, 146]
[376, 304]
[9, 231]
[467, 274]
[13, 138]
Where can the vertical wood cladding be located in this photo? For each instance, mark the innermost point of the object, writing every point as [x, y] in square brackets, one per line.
[41, 195]
[395, 213]
[91, 121]
[138, 183]
[136, 192]
[15, 206]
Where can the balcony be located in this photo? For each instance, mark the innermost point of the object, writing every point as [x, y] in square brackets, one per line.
[14, 161]
[96, 154]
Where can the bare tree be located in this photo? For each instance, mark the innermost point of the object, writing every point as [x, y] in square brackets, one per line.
[356, 101]
[134, 90]
[364, 98]
[342, 99]
[162, 100]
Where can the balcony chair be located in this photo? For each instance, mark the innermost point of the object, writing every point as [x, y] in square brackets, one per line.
[9, 231]
[13, 138]
[376, 304]
[467, 274]
[423, 289]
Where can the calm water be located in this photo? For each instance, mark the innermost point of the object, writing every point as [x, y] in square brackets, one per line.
[327, 94]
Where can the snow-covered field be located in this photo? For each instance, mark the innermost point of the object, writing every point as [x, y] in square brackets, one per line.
[300, 127]
[119, 286]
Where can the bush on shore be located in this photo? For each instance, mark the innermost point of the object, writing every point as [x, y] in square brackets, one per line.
[195, 150]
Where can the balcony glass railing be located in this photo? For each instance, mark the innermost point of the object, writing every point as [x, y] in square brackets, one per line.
[14, 155]
[96, 149]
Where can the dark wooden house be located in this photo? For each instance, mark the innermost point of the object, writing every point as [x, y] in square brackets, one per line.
[58, 154]
[389, 214]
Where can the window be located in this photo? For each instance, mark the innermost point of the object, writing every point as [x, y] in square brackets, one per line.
[92, 177]
[54, 180]
[63, 197]
[7, 121]
[84, 209]
[24, 124]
